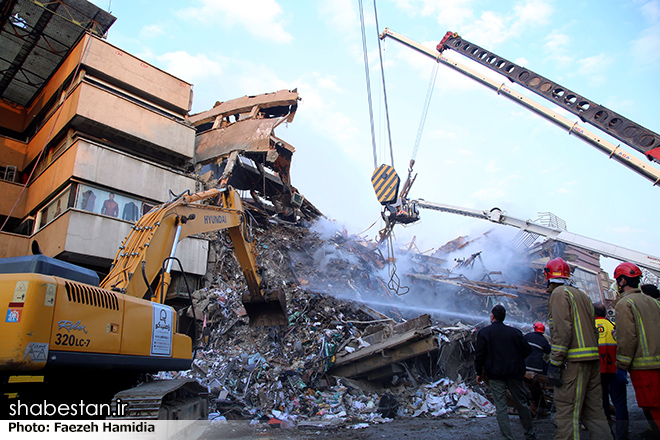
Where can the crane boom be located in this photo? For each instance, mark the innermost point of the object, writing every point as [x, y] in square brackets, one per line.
[613, 124]
[641, 139]
[496, 215]
[398, 209]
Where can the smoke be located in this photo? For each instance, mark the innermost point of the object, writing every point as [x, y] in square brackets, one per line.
[349, 267]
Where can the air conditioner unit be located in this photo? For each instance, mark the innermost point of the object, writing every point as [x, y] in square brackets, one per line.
[297, 199]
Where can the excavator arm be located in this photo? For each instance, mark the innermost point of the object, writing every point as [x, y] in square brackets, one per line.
[62, 330]
[143, 263]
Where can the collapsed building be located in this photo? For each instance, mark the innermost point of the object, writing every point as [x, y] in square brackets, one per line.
[358, 344]
[236, 145]
[352, 338]
[344, 320]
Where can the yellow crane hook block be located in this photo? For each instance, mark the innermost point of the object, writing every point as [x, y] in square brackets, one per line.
[385, 181]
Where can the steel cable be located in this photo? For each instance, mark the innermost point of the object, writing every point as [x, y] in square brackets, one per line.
[382, 74]
[425, 111]
[366, 73]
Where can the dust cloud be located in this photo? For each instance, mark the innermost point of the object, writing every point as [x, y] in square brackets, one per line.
[409, 283]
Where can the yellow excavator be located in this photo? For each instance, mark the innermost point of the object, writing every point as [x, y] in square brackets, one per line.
[68, 339]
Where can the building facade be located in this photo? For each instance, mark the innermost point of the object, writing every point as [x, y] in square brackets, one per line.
[104, 139]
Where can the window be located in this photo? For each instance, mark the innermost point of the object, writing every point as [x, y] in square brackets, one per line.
[93, 199]
[8, 173]
[55, 208]
[588, 283]
[112, 204]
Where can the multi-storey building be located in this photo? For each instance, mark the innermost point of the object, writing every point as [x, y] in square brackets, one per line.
[91, 137]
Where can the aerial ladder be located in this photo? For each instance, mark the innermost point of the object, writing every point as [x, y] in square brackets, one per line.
[496, 215]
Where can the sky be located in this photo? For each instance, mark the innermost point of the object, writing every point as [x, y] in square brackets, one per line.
[477, 150]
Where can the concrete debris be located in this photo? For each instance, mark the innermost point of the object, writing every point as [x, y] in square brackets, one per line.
[354, 352]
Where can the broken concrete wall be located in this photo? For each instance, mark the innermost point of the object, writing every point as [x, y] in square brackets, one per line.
[237, 145]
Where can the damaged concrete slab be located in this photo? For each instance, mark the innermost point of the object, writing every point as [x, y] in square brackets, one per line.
[276, 104]
[236, 145]
[377, 353]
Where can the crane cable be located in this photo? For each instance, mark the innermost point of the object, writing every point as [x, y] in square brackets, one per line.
[394, 283]
[382, 74]
[366, 73]
[368, 83]
[425, 110]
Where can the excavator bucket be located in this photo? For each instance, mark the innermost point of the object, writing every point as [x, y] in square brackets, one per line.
[266, 310]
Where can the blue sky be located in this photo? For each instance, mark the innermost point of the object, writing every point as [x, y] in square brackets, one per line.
[478, 150]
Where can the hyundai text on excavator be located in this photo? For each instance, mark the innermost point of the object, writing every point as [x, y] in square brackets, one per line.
[68, 339]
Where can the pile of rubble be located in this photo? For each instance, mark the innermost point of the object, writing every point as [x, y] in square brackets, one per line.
[353, 351]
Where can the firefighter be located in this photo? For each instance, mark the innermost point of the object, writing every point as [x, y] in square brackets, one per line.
[537, 364]
[537, 361]
[574, 368]
[638, 338]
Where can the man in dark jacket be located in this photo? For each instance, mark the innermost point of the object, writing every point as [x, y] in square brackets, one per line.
[500, 359]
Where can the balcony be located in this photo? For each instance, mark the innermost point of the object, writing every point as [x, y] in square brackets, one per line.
[81, 237]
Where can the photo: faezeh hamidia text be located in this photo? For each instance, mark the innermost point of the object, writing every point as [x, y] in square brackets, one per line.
[90, 427]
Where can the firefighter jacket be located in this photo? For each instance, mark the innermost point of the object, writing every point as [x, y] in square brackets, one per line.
[637, 332]
[606, 345]
[573, 333]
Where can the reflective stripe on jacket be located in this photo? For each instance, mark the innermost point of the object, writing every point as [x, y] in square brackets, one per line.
[573, 332]
[638, 332]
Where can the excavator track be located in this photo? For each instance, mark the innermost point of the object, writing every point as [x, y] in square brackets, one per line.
[174, 399]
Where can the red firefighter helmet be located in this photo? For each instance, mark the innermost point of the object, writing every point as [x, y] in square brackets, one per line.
[628, 269]
[539, 327]
[557, 268]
